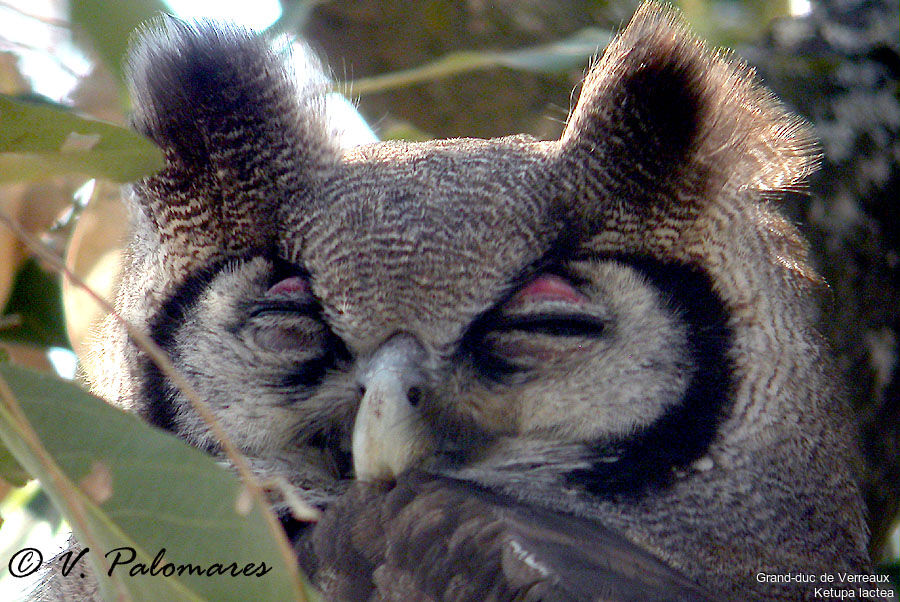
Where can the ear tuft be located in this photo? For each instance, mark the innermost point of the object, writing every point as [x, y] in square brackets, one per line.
[241, 133]
[192, 81]
[663, 118]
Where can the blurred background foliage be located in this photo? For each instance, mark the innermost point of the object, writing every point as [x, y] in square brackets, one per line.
[441, 68]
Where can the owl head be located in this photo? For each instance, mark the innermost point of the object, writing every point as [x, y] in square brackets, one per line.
[616, 325]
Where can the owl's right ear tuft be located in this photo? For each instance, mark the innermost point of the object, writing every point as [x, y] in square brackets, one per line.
[241, 132]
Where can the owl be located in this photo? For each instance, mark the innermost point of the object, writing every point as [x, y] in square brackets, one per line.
[580, 369]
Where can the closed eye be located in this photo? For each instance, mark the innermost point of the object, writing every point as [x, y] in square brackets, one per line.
[492, 357]
[553, 324]
[289, 294]
[285, 306]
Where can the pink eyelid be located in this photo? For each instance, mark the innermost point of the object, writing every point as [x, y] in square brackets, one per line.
[295, 286]
[549, 287]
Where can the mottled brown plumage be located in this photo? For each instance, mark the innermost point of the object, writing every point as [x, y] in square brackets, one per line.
[579, 369]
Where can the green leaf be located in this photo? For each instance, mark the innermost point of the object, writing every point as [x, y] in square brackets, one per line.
[556, 56]
[109, 26]
[36, 300]
[38, 141]
[10, 470]
[143, 489]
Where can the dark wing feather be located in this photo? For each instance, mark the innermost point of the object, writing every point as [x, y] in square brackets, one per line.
[431, 538]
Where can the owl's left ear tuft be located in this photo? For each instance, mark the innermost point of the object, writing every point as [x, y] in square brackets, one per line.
[663, 120]
[645, 96]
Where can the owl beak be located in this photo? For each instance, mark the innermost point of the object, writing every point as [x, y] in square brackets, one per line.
[389, 435]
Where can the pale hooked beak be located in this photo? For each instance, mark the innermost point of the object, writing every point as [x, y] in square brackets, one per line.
[390, 435]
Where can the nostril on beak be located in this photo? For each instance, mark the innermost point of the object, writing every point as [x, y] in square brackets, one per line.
[414, 395]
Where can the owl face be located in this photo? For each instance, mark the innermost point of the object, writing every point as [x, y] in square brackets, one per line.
[615, 326]
[502, 321]
[400, 325]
